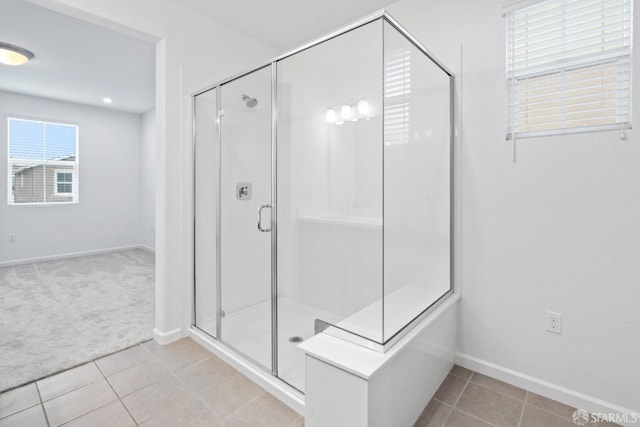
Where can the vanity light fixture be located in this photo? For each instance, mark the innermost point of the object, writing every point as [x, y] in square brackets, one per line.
[363, 107]
[330, 115]
[14, 55]
[348, 112]
[345, 112]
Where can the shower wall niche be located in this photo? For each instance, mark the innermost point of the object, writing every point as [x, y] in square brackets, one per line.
[344, 150]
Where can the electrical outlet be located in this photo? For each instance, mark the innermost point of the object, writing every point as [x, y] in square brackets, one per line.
[554, 322]
[12, 238]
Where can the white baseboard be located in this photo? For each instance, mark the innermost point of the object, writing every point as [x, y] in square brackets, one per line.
[73, 254]
[168, 337]
[552, 391]
[147, 248]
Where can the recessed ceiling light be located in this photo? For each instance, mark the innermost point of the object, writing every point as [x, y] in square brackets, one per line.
[107, 100]
[13, 55]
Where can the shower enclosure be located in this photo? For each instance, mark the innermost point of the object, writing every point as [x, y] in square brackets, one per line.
[323, 197]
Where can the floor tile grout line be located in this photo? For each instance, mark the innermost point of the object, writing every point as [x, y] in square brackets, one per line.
[154, 356]
[236, 409]
[117, 395]
[76, 366]
[70, 390]
[46, 417]
[95, 409]
[444, 423]
[2, 417]
[547, 411]
[194, 394]
[245, 403]
[524, 405]
[155, 381]
[86, 413]
[500, 392]
[453, 407]
[175, 375]
[158, 357]
[455, 404]
[476, 417]
[466, 384]
[443, 402]
[463, 377]
[177, 378]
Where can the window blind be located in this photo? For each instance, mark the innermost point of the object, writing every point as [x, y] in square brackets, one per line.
[39, 154]
[568, 67]
[397, 93]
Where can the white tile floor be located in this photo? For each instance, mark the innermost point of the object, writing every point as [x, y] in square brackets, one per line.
[180, 384]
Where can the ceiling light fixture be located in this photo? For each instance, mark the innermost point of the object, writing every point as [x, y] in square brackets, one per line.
[13, 55]
[107, 100]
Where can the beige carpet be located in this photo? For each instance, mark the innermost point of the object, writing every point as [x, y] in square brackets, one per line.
[58, 314]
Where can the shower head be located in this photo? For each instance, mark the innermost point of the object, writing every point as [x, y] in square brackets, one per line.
[250, 102]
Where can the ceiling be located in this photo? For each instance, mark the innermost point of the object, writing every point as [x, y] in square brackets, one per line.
[285, 24]
[79, 62]
[76, 61]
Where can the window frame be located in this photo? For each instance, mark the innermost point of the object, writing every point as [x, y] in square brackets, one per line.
[56, 182]
[75, 192]
[564, 65]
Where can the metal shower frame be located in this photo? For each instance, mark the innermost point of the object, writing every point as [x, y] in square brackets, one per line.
[348, 335]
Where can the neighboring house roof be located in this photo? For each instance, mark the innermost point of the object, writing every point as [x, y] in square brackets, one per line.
[24, 169]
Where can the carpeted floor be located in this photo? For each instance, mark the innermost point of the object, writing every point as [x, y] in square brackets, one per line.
[58, 314]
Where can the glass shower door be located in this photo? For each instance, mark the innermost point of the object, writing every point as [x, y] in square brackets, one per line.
[245, 215]
[329, 193]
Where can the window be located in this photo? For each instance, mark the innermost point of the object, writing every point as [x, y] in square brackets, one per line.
[568, 67]
[63, 184]
[397, 94]
[42, 163]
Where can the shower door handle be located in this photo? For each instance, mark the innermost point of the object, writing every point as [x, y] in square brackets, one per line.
[264, 230]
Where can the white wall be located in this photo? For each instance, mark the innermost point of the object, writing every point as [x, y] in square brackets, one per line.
[558, 229]
[108, 213]
[148, 181]
[192, 52]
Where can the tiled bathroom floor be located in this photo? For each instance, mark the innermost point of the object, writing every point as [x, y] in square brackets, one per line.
[470, 399]
[182, 385]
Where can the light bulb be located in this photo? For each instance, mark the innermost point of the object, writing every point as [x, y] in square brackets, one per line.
[363, 107]
[330, 115]
[345, 112]
[13, 55]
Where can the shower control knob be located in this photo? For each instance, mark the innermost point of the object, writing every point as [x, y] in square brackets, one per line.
[243, 191]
